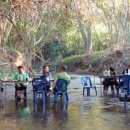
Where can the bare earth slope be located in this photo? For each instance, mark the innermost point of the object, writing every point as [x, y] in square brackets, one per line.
[118, 60]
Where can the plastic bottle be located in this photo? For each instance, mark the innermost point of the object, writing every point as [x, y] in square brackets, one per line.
[108, 72]
[105, 72]
[126, 73]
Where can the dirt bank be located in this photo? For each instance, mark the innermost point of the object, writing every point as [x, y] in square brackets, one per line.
[118, 60]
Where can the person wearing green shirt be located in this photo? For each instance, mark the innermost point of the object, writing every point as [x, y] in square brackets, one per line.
[20, 76]
[61, 75]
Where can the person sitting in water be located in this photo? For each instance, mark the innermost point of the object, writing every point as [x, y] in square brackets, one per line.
[20, 76]
[110, 82]
[61, 75]
[45, 73]
[125, 72]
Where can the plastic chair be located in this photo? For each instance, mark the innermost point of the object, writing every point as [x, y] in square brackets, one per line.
[87, 84]
[39, 87]
[61, 89]
[36, 108]
[125, 89]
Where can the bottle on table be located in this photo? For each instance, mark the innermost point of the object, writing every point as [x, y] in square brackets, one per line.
[128, 71]
[107, 72]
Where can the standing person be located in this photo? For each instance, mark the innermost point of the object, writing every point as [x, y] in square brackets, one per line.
[45, 73]
[110, 82]
[61, 75]
[20, 87]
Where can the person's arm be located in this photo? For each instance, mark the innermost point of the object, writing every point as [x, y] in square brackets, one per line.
[55, 79]
[54, 82]
[27, 76]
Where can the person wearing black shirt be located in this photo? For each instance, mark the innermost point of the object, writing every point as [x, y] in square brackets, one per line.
[110, 82]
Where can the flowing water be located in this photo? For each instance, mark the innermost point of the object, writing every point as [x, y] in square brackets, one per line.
[81, 113]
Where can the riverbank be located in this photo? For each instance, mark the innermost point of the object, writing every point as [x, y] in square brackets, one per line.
[95, 63]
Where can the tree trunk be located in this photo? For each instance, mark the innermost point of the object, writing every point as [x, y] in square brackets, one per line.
[83, 35]
[126, 22]
[89, 39]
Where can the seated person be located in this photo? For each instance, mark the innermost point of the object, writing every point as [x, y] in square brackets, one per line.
[61, 75]
[126, 71]
[21, 76]
[110, 82]
[47, 75]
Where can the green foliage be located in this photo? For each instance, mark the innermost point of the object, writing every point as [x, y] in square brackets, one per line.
[97, 54]
[100, 40]
[5, 74]
[61, 30]
[93, 55]
[54, 49]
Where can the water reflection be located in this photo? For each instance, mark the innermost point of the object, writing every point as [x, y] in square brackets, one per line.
[39, 108]
[50, 115]
[22, 109]
[92, 114]
[1, 104]
[61, 107]
[43, 108]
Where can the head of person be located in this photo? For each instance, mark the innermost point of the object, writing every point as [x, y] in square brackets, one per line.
[111, 69]
[45, 68]
[63, 68]
[129, 66]
[20, 69]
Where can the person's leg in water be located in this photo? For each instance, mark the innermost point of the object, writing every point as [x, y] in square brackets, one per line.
[105, 87]
[17, 90]
[112, 89]
[116, 84]
[20, 94]
[117, 88]
[47, 89]
[21, 91]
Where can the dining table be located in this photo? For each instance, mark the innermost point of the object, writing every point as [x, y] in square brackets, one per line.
[102, 77]
[5, 83]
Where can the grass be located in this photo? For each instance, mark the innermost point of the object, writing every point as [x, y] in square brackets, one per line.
[93, 55]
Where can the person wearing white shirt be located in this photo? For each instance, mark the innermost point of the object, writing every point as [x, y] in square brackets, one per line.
[47, 75]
